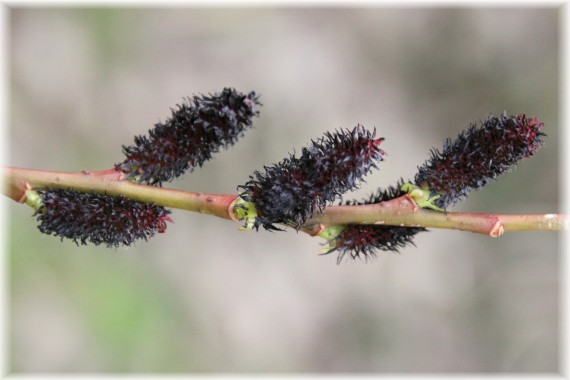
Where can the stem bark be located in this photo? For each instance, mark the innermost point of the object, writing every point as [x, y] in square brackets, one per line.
[402, 211]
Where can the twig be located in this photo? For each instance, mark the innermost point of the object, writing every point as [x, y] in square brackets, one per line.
[111, 182]
[402, 211]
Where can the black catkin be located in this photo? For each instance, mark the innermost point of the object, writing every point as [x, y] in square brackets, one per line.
[99, 219]
[364, 241]
[291, 191]
[477, 155]
[197, 129]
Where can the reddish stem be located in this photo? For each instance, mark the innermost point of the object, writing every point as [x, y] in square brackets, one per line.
[112, 182]
[402, 211]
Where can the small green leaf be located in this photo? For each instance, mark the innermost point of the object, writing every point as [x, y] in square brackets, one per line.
[330, 234]
[422, 196]
[246, 211]
[33, 199]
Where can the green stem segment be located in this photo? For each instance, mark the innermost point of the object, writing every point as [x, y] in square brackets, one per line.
[402, 211]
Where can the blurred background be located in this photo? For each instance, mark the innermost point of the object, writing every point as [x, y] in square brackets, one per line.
[206, 297]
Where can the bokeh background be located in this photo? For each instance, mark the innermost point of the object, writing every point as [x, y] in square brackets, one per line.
[205, 297]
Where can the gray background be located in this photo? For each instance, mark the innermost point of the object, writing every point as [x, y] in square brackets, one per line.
[206, 297]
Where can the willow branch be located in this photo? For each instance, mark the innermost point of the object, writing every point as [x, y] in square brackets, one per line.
[401, 211]
[112, 182]
[404, 212]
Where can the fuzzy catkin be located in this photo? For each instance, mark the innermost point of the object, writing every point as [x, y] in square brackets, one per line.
[99, 219]
[478, 155]
[197, 129]
[292, 190]
[364, 241]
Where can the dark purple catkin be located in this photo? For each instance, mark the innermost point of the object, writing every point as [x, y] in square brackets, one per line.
[98, 219]
[196, 130]
[364, 241]
[292, 190]
[477, 155]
